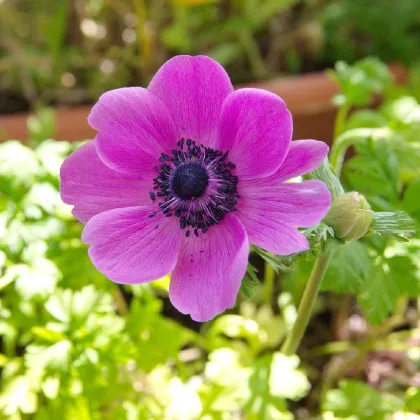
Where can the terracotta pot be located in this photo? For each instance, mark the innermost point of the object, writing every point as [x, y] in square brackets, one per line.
[307, 96]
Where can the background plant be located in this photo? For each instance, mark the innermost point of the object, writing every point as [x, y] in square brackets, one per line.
[69, 52]
[75, 345]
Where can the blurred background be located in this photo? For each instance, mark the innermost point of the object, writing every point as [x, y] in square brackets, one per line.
[73, 345]
[69, 52]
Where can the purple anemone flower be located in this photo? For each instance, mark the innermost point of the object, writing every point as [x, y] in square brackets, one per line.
[184, 175]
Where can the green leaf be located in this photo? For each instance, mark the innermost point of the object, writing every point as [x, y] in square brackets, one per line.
[285, 379]
[377, 295]
[39, 280]
[230, 379]
[17, 396]
[176, 36]
[273, 379]
[51, 387]
[3, 360]
[358, 400]
[319, 233]
[390, 279]
[366, 118]
[278, 262]
[49, 358]
[235, 326]
[411, 202]
[225, 53]
[77, 408]
[9, 276]
[260, 327]
[157, 338]
[398, 226]
[261, 404]
[405, 110]
[350, 267]
[184, 401]
[101, 329]
[51, 154]
[250, 282]
[325, 174]
[359, 81]
[89, 299]
[41, 125]
[375, 171]
[67, 306]
[18, 167]
[404, 272]
[377, 286]
[407, 148]
[9, 335]
[160, 341]
[412, 400]
[47, 334]
[44, 196]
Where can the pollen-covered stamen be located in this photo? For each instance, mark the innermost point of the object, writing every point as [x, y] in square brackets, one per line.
[195, 184]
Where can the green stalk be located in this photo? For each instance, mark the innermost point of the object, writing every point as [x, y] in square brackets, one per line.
[340, 120]
[350, 138]
[119, 301]
[269, 276]
[307, 302]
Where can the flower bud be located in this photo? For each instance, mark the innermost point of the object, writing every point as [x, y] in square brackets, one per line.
[350, 216]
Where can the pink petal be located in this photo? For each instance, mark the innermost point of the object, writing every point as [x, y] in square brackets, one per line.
[303, 156]
[129, 247]
[134, 129]
[193, 89]
[210, 269]
[271, 214]
[92, 188]
[279, 238]
[256, 128]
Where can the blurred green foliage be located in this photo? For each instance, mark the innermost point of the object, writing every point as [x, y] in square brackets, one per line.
[74, 345]
[70, 52]
[386, 170]
[358, 28]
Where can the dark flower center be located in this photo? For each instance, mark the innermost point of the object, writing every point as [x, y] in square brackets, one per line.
[196, 184]
[189, 180]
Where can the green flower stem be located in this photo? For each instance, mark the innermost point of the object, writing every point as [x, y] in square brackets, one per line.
[269, 276]
[350, 138]
[119, 301]
[340, 120]
[307, 302]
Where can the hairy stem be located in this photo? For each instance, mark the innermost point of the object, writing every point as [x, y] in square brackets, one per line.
[308, 300]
